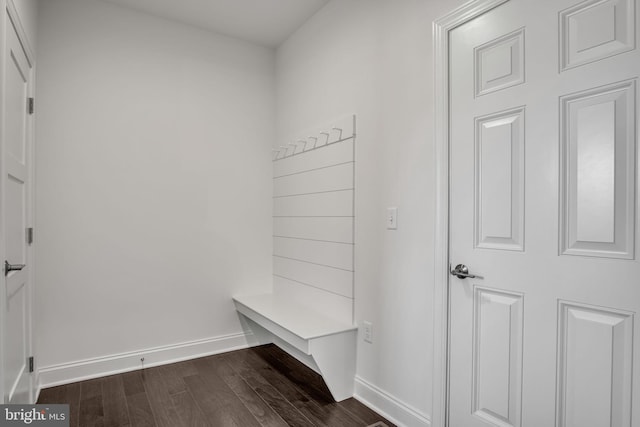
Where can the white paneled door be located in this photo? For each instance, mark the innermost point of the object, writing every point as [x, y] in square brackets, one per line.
[16, 153]
[544, 211]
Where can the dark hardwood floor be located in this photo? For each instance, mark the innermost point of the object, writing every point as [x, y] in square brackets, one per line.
[260, 386]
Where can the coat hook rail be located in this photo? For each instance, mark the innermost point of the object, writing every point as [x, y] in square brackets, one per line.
[344, 130]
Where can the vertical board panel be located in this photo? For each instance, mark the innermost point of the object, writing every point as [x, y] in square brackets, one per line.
[338, 255]
[332, 203]
[594, 366]
[327, 303]
[499, 199]
[497, 356]
[598, 136]
[313, 223]
[330, 178]
[322, 277]
[330, 229]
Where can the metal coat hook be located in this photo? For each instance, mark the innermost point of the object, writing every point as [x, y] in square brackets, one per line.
[285, 148]
[276, 151]
[327, 134]
[339, 130]
[315, 140]
[302, 141]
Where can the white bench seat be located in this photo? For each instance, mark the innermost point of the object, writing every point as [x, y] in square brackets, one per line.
[329, 342]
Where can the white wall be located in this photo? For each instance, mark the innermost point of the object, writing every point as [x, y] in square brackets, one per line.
[374, 58]
[153, 181]
[154, 199]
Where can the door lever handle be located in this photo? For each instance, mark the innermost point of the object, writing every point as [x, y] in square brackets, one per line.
[462, 272]
[12, 267]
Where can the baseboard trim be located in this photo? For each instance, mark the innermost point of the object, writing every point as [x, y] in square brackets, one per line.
[65, 373]
[388, 406]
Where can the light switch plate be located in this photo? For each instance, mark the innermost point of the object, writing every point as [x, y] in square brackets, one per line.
[367, 332]
[392, 218]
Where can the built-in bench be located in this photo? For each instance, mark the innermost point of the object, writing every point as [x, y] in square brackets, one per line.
[308, 311]
[329, 344]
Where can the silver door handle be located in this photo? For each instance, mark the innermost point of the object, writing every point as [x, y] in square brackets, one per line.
[462, 272]
[12, 267]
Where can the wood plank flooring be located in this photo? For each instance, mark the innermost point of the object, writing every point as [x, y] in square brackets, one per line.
[259, 387]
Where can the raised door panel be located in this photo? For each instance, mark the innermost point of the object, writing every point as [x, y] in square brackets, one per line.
[598, 171]
[16, 102]
[499, 165]
[595, 348]
[596, 29]
[499, 64]
[497, 356]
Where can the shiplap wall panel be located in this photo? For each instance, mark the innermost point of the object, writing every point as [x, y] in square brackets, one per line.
[339, 255]
[334, 203]
[319, 276]
[330, 178]
[330, 229]
[321, 157]
[328, 303]
[313, 219]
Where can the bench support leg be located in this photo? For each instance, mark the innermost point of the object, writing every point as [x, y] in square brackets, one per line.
[335, 356]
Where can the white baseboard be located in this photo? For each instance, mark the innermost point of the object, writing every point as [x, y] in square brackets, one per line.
[377, 399]
[49, 376]
[388, 406]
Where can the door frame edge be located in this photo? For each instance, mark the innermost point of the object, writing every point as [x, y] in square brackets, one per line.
[12, 13]
[440, 32]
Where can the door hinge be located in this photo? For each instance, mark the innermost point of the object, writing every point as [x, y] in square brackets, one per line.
[31, 364]
[30, 235]
[31, 106]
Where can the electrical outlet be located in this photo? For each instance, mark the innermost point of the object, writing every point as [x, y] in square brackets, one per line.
[392, 218]
[367, 331]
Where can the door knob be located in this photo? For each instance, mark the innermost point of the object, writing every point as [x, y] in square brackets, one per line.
[462, 272]
[12, 267]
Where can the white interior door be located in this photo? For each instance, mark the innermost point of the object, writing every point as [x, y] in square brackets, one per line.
[543, 206]
[16, 152]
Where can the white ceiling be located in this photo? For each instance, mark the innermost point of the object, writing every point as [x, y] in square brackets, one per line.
[265, 22]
